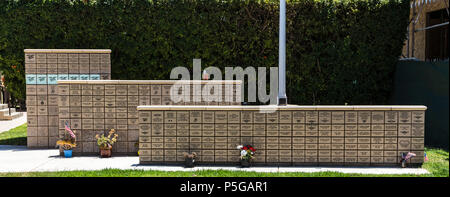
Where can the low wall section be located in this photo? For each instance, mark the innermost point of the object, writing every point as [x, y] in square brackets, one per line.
[282, 135]
[93, 107]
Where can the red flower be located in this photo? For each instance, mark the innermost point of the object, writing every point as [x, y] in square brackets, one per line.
[249, 147]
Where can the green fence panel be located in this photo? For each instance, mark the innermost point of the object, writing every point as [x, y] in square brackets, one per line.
[426, 83]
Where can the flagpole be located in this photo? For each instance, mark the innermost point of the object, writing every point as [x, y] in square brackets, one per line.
[282, 99]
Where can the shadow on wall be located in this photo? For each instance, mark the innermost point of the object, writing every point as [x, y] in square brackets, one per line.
[426, 83]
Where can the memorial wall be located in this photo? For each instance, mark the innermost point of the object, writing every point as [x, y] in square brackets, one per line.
[163, 119]
[282, 135]
[43, 68]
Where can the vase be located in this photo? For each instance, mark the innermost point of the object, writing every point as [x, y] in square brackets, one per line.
[67, 153]
[105, 152]
[188, 162]
[403, 163]
[245, 163]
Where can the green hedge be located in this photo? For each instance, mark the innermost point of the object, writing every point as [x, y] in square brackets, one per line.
[337, 51]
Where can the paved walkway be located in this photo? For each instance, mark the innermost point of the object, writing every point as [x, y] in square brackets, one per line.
[20, 159]
[6, 125]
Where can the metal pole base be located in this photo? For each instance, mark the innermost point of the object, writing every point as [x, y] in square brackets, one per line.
[282, 101]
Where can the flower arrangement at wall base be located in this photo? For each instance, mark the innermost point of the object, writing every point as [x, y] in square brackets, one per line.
[405, 157]
[189, 159]
[68, 142]
[136, 145]
[247, 153]
[105, 143]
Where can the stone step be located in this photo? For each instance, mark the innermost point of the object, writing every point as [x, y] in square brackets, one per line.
[3, 106]
[6, 111]
[12, 116]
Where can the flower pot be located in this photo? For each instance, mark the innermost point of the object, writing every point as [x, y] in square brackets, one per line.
[245, 163]
[404, 164]
[105, 152]
[189, 162]
[67, 153]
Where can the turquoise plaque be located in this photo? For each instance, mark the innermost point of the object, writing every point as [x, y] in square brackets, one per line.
[52, 79]
[84, 77]
[30, 78]
[95, 77]
[74, 77]
[63, 77]
[41, 79]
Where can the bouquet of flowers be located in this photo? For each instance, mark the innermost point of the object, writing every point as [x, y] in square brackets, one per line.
[189, 159]
[247, 152]
[106, 142]
[68, 142]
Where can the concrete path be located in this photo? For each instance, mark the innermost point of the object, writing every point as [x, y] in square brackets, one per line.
[20, 159]
[6, 125]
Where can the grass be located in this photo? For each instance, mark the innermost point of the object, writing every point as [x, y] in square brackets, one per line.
[198, 173]
[16, 136]
[438, 166]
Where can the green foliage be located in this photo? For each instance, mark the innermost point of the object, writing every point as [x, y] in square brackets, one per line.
[438, 162]
[337, 51]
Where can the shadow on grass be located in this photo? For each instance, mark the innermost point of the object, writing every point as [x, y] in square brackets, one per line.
[20, 141]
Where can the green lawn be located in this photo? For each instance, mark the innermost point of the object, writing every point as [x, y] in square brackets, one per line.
[438, 166]
[199, 173]
[16, 136]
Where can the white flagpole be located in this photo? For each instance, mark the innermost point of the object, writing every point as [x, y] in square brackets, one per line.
[282, 99]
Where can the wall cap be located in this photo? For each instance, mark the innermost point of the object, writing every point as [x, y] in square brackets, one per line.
[67, 50]
[162, 82]
[288, 107]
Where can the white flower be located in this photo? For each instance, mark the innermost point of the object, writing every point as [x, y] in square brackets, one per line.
[240, 147]
[243, 153]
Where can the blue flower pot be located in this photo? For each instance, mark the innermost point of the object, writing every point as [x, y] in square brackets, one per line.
[67, 153]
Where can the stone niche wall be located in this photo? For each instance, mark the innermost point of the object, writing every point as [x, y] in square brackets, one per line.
[287, 135]
[43, 68]
[95, 107]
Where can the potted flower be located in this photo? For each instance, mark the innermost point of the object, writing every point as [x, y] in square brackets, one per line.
[105, 143]
[405, 157]
[68, 142]
[189, 159]
[247, 153]
[136, 145]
